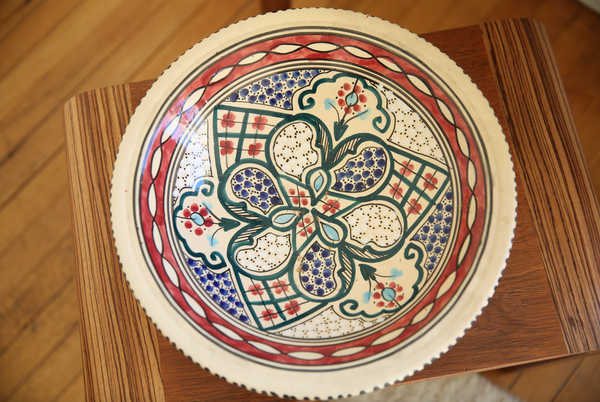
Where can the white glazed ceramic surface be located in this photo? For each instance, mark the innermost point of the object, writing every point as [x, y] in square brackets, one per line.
[313, 203]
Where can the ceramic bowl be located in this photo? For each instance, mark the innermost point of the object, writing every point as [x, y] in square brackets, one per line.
[313, 203]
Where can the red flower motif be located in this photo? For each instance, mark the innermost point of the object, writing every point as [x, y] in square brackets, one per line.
[268, 314]
[414, 208]
[389, 295]
[332, 206]
[406, 170]
[280, 286]
[226, 147]
[396, 191]
[350, 98]
[255, 289]
[431, 182]
[228, 120]
[292, 307]
[197, 221]
[301, 199]
[255, 149]
[259, 123]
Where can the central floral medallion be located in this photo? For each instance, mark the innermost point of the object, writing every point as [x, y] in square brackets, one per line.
[315, 199]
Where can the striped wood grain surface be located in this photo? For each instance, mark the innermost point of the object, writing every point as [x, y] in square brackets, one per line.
[555, 176]
[53, 49]
[119, 342]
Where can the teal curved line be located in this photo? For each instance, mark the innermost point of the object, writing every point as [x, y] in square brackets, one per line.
[340, 129]
[382, 183]
[310, 103]
[218, 261]
[228, 203]
[418, 265]
[344, 287]
[410, 253]
[233, 247]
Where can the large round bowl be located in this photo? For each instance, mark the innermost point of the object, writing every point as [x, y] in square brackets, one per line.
[313, 203]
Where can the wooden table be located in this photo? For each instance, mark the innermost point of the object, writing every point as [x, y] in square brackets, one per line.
[547, 304]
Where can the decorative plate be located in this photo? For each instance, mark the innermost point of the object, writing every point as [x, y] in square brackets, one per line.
[313, 203]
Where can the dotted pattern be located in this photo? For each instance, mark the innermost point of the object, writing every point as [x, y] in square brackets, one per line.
[195, 162]
[434, 234]
[269, 253]
[254, 186]
[316, 271]
[376, 223]
[362, 172]
[292, 148]
[411, 131]
[328, 325]
[276, 90]
[220, 288]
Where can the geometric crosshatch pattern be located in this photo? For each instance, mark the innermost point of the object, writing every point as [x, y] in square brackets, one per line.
[341, 201]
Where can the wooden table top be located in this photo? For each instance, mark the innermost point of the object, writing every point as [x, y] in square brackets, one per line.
[547, 304]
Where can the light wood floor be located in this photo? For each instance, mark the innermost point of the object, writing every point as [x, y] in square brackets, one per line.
[51, 50]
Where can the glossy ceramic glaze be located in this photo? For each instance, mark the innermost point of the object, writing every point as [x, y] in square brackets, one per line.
[313, 203]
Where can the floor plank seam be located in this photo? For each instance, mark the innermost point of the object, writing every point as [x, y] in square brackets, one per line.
[568, 378]
[34, 318]
[32, 176]
[39, 43]
[67, 387]
[42, 361]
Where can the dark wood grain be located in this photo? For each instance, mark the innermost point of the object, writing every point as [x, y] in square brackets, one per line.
[555, 176]
[519, 325]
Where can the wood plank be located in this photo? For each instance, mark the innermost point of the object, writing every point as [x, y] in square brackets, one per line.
[75, 393]
[185, 381]
[31, 157]
[136, 49]
[26, 300]
[24, 37]
[35, 241]
[269, 6]
[513, 9]
[70, 54]
[12, 12]
[555, 177]
[426, 15]
[542, 382]
[141, 45]
[22, 210]
[125, 365]
[196, 28]
[588, 125]
[504, 378]
[38, 341]
[583, 386]
[55, 374]
[583, 69]
[557, 16]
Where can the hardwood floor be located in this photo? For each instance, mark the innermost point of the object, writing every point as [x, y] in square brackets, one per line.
[53, 49]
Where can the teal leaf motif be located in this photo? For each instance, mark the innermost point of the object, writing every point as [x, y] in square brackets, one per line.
[319, 182]
[284, 218]
[330, 232]
[228, 224]
[367, 272]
